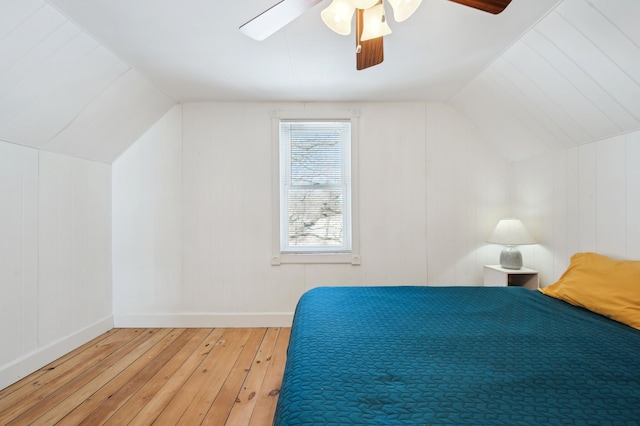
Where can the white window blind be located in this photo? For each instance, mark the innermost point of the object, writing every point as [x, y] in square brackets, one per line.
[315, 186]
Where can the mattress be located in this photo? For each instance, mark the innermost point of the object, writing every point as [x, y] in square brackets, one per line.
[456, 355]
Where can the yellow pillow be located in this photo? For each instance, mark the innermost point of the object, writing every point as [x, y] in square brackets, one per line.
[602, 285]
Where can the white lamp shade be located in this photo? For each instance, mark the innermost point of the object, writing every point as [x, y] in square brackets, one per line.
[402, 9]
[363, 4]
[510, 232]
[375, 23]
[338, 15]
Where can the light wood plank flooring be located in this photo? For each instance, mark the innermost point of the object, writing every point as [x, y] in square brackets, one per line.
[156, 376]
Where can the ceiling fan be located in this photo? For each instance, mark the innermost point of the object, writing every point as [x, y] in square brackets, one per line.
[370, 21]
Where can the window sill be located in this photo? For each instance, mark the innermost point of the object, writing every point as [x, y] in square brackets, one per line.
[316, 258]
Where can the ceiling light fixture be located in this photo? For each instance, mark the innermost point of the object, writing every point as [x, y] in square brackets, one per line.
[375, 23]
[339, 17]
[363, 4]
[339, 14]
[402, 9]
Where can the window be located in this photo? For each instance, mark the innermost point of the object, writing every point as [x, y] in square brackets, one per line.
[315, 190]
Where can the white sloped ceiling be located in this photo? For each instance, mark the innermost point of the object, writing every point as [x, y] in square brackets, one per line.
[61, 91]
[573, 78]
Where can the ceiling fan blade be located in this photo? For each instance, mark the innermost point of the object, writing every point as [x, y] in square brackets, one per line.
[491, 6]
[368, 52]
[276, 17]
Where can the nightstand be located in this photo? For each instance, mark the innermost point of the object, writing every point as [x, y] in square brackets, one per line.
[497, 276]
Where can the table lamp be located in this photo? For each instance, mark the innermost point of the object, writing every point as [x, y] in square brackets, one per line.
[510, 233]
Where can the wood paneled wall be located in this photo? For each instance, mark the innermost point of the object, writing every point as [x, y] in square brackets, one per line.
[147, 217]
[573, 78]
[585, 198]
[61, 91]
[192, 212]
[55, 260]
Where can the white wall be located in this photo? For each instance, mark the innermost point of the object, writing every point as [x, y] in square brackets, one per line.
[585, 198]
[192, 212]
[55, 268]
[147, 231]
[467, 193]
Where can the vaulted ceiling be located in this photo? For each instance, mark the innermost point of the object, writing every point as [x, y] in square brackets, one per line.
[88, 78]
[573, 78]
[193, 50]
[62, 91]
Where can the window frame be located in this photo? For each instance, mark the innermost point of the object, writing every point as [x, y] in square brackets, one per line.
[338, 257]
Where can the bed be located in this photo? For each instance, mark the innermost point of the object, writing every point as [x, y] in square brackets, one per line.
[456, 355]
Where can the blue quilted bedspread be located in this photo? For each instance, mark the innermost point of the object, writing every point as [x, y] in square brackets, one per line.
[456, 355]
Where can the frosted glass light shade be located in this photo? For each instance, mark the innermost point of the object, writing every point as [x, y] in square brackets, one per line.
[375, 23]
[363, 4]
[338, 16]
[402, 9]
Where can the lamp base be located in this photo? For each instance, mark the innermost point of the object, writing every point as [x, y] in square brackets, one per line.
[510, 258]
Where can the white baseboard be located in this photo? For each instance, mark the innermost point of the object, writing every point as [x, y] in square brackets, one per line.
[22, 367]
[204, 320]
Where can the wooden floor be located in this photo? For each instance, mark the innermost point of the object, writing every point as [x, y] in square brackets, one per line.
[156, 376]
